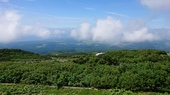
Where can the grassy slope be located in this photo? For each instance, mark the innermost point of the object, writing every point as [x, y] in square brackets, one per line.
[21, 89]
[38, 89]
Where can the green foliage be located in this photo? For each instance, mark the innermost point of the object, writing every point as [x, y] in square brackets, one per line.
[134, 71]
[20, 89]
[135, 77]
[117, 57]
[17, 54]
[121, 92]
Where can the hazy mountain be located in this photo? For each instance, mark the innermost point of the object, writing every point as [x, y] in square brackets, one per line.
[71, 45]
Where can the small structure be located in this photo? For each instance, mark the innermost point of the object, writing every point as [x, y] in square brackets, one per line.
[168, 53]
[99, 54]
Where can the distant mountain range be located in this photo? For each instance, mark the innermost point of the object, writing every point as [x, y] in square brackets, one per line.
[71, 45]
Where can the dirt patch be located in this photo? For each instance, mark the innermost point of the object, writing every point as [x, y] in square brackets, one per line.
[80, 87]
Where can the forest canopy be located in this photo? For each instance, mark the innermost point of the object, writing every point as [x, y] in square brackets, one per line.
[18, 54]
[135, 70]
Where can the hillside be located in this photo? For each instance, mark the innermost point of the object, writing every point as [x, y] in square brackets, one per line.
[134, 70]
[116, 57]
[18, 54]
[71, 45]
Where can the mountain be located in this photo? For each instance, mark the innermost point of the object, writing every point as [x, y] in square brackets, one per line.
[71, 45]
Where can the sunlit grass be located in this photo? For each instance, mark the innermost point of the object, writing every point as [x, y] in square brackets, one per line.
[20, 89]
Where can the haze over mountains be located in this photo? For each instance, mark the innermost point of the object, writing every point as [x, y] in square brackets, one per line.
[76, 25]
[71, 45]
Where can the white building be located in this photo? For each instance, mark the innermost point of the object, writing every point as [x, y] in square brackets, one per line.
[98, 54]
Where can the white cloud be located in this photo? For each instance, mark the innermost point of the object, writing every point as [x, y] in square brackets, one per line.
[113, 31]
[107, 30]
[114, 13]
[89, 8]
[83, 32]
[41, 32]
[11, 28]
[4, 0]
[58, 32]
[160, 5]
[139, 36]
[163, 33]
[9, 25]
[36, 30]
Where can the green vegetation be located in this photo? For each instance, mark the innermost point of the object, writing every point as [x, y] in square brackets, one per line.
[22, 89]
[19, 55]
[118, 57]
[123, 71]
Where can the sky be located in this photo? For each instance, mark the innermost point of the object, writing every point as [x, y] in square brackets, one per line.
[106, 21]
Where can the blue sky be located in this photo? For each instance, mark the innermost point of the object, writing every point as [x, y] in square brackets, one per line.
[106, 21]
[70, 13]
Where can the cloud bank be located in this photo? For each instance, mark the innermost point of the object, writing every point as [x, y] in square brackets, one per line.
[140, 35]
[159, 5]
[11, 28]
[109, 30]
[114, 31]
[105, 30]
